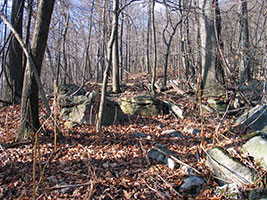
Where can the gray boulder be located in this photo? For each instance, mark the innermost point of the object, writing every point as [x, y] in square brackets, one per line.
[83, 110]
[257, 148]
[227, 169]
[175, 109]
[256, 118]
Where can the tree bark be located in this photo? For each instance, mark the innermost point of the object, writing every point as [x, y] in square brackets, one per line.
[106, 73]
[210, 85]
[148, 38]
[244, 69]
[154, 34]
[168, 42]
[14, 80]
[29, 105]
[115, 50]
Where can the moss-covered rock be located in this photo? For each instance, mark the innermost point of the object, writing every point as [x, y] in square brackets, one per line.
[228, 169]
[257, 148]
[217, 104]
[141, 105]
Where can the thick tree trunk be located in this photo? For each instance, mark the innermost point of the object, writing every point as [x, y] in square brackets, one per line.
[29, 106]
[14, 80]
[211, 87]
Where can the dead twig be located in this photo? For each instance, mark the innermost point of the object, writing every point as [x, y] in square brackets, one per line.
[58, 187]
[169, 185]
[177, 160]
[159, 194]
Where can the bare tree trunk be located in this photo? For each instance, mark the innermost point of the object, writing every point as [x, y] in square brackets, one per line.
[121, 47]
[154, 72]
[168, 42]
[211, 87]
[14, 79]
[29, 106]
[104, 33]
[66, 17]
[87, 71]
[105, 78]
[115, 51]
[106, 73]
[244, 69]
[148, 38]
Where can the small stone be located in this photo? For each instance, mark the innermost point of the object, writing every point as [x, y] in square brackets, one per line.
[106, 165]
[229, 191]
[192, 131]
[69, 125]
[52, 179]
[140, 135]
[161, 158]
[109, 174]
[113, 164]
[260, 194]
[171, 163]
[173, 133]
[191, 185]
[66, 189]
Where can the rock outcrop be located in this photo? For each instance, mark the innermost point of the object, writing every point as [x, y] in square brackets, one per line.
[142, 105]
[83, 109]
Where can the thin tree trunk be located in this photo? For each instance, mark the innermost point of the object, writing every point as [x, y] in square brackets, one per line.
[87, 71]
[168, 43]
[244, 69]
[65, 31]
[154, 72]
[121, 48]
[115, 51]
[148, 38]
[105, 78]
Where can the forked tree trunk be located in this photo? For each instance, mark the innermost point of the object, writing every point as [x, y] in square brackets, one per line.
[29, 102]
[105, 78]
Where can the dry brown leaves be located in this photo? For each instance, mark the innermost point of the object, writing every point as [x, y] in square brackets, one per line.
[109, 165]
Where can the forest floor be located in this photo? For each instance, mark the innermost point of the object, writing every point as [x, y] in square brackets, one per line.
[112, 164]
